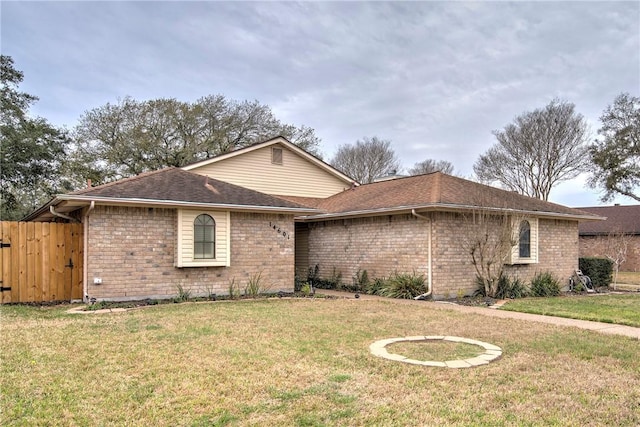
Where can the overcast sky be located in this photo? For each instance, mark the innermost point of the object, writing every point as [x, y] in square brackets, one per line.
[435, 78]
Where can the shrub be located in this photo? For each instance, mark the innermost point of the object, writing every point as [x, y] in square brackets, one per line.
[316, 281]
[234, 289]
[599, 270]
[361, 281]
[376, 287]
[183, 294]
[507, 288]
[305, 289]
[511, 288]
[254, 286]
[405, 286]
[545, 285]
[481, 290]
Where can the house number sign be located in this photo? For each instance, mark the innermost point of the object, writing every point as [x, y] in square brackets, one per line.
[279, 230]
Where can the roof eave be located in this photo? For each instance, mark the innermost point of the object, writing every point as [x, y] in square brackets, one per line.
[443, 207]
[132, 202]
[41, 210]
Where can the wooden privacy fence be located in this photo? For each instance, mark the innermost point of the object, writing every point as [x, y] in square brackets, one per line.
[40, 261]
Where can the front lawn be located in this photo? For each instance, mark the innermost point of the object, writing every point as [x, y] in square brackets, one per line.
[623, 309]
[303, 362]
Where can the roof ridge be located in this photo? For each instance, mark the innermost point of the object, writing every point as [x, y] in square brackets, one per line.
[399, 178]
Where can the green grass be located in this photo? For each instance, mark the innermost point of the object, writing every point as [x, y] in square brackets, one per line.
[302, 362]
[620, 309]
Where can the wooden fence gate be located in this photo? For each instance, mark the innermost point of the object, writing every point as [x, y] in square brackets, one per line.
[40, 261]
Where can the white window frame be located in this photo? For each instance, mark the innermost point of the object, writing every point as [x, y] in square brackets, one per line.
[184, 251]
[534, 240]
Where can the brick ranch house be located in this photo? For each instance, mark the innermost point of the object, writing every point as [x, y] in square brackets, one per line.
[274, 210]
[622, 226]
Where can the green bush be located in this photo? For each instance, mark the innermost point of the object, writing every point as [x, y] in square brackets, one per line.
[316, 281]
[305, 289]
[360, 281]
[254, 286]
[599, 270]
[183, 294]
[376, 286]
[507, 288]
[405, 286]
[545, 285]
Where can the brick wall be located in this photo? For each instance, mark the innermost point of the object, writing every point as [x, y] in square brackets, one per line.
[132, 251]
[383, 245]
[454, 273]
[596, 246]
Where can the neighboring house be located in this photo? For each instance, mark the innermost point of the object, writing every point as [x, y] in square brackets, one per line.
[272, 210]
[605, 238]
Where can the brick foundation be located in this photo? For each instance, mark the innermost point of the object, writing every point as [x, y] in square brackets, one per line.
[133, 251]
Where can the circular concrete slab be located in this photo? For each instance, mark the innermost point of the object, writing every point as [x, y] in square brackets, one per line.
[491, 352]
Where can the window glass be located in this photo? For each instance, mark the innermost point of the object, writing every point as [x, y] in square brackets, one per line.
[204, 237]
[525, 240]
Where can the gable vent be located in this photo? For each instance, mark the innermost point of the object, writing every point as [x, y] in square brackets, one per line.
[276, 155]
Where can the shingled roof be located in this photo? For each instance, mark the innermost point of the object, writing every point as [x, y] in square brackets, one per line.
[177, 185]
[620, 219]
[172, 187]
[437, 191]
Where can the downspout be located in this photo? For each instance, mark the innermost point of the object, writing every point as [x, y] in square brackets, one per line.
[58, 214]
[429, 276]
[85, 253]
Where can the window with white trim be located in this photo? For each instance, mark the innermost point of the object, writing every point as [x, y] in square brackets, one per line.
[524, 243]
[525, 240]
[203, 238]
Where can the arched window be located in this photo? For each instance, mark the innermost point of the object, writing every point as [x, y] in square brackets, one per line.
[204, 237]
[525, 240]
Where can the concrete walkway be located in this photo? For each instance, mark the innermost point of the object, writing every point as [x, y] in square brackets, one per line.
[605, 328]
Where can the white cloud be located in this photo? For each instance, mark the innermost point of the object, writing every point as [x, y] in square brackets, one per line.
[434, 77]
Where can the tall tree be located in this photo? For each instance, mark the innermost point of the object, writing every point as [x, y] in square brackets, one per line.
[367, 160]
[431, 165]
[539, 150]
[32, 151]
[130, 137]
[616, 156]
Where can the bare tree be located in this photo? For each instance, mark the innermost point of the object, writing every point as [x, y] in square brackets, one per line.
[538, 150]
[488, 239]
[367, 160]
[431, 165]
[616, 247]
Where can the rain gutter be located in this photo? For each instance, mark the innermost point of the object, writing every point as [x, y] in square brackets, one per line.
[180, 204]
[85, 252]
[60, 215]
